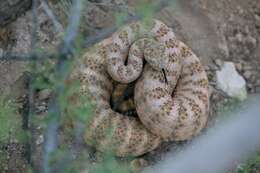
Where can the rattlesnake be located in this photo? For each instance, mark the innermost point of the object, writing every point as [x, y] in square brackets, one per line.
[128, 136]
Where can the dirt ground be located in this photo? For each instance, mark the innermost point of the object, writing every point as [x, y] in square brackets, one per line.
[217, 31]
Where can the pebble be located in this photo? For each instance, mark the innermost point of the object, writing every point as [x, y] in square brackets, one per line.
[251, 88]
[239, 66]
[240, 10]
[239, 37]
[207, 68]
[44, 94]
[218, 62]
[40, 140]
[257, 21]
[252, 41]
[247, 75]
[213, 67]
[214, 97]
[137, 165]
[41, 108]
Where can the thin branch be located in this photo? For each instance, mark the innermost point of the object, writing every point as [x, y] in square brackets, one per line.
[35, 25]
[33, 45]
[32, 56]
[73, 27]
[51, 135]
[58, 27]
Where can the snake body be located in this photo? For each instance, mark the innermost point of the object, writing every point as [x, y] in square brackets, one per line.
[174, 112]
[171, 96]
[107, 129]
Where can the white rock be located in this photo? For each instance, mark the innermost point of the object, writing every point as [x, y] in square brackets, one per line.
[231, 82]
[40, 140]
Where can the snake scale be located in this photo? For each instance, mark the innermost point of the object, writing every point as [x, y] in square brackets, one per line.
[171, 89]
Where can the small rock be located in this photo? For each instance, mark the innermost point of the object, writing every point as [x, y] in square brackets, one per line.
[224, 49]
[98, 156]
[247, 30]
[247, 75]
[252, 41]
[225, 100]
[253, 78]
[41, 108]
[257, 21]
[218, 62]
[44, 94]
[207, 68]
[240, 10]
[40, 140]
[229, 81]
[251, 88]
[239, 66]
[20, 88]
[137, 165]
[239, 37]
[213, 67]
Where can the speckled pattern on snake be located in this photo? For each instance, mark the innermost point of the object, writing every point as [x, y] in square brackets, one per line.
[171, 90]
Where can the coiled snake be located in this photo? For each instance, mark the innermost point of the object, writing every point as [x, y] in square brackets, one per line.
[171, 90]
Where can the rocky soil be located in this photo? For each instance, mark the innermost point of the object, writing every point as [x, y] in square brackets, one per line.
[218, 31]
